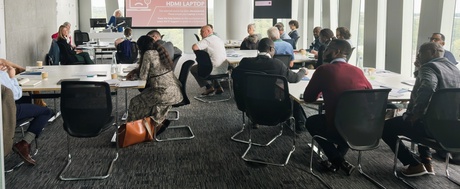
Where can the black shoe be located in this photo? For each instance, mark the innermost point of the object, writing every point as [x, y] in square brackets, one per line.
[255, 126]
[347, 167]
[164, 126]
[326, 164]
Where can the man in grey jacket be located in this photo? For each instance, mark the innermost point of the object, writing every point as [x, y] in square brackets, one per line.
[172, 50]
[435, 72]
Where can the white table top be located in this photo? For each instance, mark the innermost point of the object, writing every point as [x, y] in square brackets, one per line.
[106, 36]
[234, 56]
[99, 72]
[380, 79]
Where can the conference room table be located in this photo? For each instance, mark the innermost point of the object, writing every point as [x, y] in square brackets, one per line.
[234, 56]
[103, 48]
[400, 85]
[94, 72]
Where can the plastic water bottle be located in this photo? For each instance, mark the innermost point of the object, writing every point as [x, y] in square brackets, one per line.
[113, 68]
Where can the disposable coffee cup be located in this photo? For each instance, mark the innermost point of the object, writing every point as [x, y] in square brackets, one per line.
[44, 75]
[114, 75]
[39, 63]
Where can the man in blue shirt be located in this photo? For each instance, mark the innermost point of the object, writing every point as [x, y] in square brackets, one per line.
[440, 38]
[281, 47]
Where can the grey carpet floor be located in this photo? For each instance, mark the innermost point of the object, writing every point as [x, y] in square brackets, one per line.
[210, 160]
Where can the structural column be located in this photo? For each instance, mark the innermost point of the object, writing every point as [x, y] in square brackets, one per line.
[398, 48]
[374, 33]
[239, 15]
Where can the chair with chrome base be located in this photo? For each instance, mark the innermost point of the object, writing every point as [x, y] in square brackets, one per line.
[238, 92]
[359, 119]
[185, 70]
[442, 124]
[267, 102]
[21, 124]
[86, 108]
[204, 70]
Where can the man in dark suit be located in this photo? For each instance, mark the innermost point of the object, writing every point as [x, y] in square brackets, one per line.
[264, 62]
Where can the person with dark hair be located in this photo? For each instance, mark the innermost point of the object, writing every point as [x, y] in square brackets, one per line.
[440, 39]
[170, 48]
[250, 42]
[294, 25]
[72, 54]
[283, 35]
[264, 62]
[315, 44]
[40, 114]
[325, 37]
[343, 33]
[215, 47]
[162, 89]
[434, 72]
[331, 80]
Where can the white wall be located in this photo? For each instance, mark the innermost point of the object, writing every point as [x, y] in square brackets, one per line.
[2, 30]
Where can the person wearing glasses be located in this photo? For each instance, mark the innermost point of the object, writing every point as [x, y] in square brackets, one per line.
[439, 38]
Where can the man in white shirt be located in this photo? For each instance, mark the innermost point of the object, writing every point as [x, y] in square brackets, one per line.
[215, 47]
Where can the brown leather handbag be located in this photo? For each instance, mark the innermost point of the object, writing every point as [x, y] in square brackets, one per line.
[137, 131]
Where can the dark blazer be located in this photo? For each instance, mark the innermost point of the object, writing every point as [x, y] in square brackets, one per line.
[269, 65]
[67, 54]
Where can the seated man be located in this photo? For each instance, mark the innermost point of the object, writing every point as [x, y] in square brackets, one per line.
[331, 80]
[439, 38]
[215, 47]
[283, 35]
[170, 48]
[281, 47]
[435, 72]
[265, 62]
[315, 44]
[39, 113]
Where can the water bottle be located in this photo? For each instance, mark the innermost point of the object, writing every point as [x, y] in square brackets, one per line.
[113, 68]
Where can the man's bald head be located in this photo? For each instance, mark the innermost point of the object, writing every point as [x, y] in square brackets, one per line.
[206, 31]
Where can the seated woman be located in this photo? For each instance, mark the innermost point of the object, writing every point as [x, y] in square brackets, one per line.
[162, 89]
[68, 54]
[326, 35]
[252, 40]
[23, 111]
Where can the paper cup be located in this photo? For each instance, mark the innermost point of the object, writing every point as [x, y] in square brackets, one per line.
[44, 75]
[114, 75]
[39, 63]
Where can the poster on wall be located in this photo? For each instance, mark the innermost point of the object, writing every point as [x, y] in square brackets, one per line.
[167, 13]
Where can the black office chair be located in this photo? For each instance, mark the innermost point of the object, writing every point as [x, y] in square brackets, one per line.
[267, 102]
[239, 91]
[285, 58]
[204, 70]
[127, 52]
[197, 37]
[80, 37]
[185, 70]
[359, 119]
[21, 124]
[86, 108]
[442, 125]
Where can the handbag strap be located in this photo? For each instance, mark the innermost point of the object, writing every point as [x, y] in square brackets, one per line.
[147, 126]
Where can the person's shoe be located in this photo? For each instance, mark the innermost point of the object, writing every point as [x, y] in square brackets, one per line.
[219, 91]
[326, 164]
[164, 126]
[429, 168]
[347, 167]
[255, 126]
[414, 170]
[208, 91]
[23, 149]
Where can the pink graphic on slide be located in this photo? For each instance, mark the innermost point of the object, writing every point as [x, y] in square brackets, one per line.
[167, 13]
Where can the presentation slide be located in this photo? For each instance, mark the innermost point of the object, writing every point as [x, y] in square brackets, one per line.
[167, 13]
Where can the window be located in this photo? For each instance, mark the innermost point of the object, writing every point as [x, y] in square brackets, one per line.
[360, 46]
[455, 45]
[417, 8]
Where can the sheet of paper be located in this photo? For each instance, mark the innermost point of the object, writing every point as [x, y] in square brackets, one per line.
[128, 84]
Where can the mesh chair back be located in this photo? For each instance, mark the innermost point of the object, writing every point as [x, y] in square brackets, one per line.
[239, 86]
[184, 71]
[267, 100]
[80, 37]
[204, 63]
[127, 52]
[285, 58]
[197, 37]
[351, 53]
[360, 117]
[86, 107]
[442, 120]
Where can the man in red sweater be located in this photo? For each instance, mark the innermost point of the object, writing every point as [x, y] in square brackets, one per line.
[330, 80]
